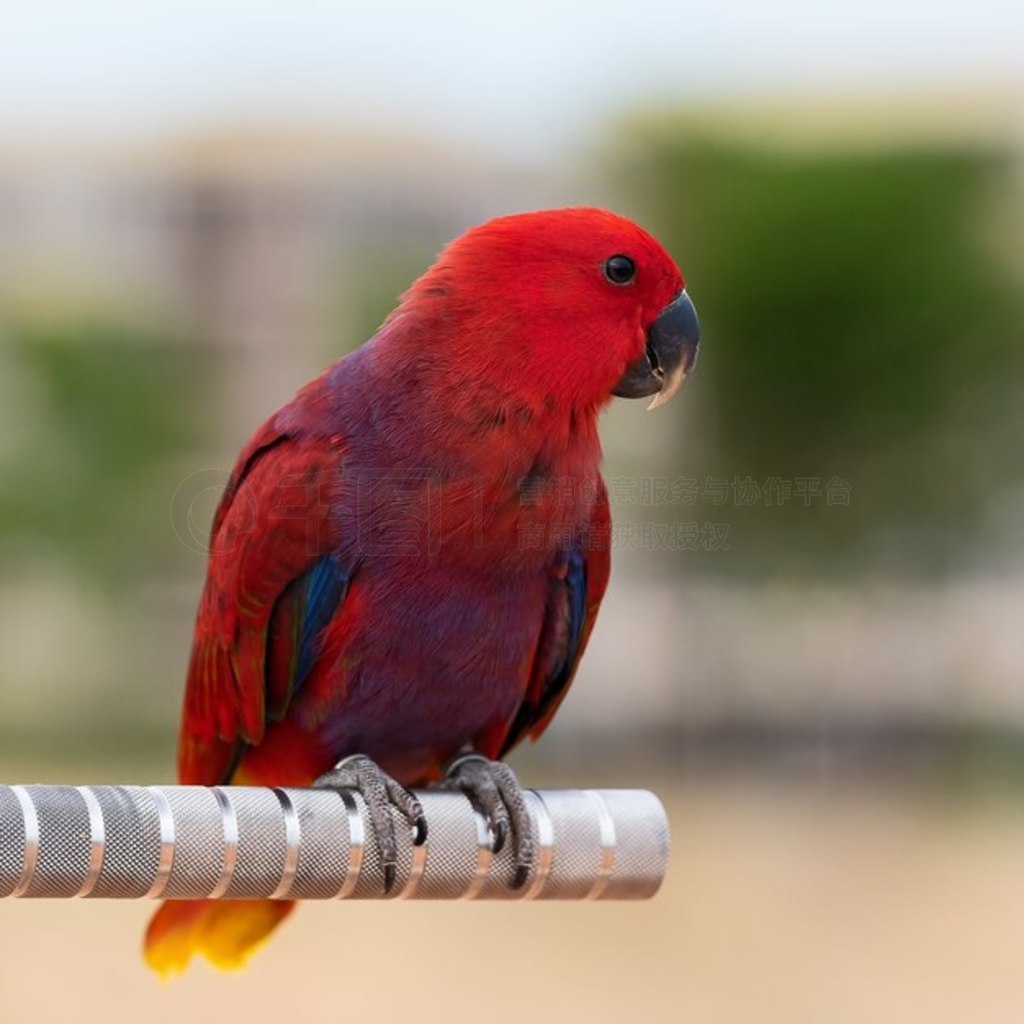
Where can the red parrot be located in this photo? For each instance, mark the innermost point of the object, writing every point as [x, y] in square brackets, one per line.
[409, 557]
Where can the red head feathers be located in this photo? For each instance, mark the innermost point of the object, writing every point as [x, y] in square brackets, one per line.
[559, 304]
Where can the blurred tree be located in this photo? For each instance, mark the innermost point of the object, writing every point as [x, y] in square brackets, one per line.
[858, 329]
[96, 410]
[375, 284]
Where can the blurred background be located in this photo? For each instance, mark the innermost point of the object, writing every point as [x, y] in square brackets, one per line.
[818, 548]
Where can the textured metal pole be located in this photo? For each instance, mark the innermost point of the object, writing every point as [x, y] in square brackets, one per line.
[236, 842]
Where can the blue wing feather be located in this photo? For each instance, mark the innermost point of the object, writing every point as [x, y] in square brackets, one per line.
[560, 644]
[300, 616]
[576, 583]
[326, 584]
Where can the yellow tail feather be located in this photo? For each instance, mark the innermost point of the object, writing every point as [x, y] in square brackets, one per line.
[225, 932]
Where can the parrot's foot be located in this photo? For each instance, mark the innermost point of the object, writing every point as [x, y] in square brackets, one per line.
[380, 792]
[494, 790]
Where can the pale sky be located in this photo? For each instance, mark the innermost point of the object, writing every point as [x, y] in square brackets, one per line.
[517, 76]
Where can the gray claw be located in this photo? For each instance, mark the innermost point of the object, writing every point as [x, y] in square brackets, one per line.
[420, 831]
[500, 829]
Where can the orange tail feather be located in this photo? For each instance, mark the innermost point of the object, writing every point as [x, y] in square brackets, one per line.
[225, 932]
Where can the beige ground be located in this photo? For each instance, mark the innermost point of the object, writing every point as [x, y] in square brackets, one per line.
[782, 905]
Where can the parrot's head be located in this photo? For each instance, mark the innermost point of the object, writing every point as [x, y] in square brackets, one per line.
[576, 305]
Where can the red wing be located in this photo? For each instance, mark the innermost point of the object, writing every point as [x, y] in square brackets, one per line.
[576, 586]
[271, 533]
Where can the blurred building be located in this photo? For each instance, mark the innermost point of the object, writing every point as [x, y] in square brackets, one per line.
[261, 244]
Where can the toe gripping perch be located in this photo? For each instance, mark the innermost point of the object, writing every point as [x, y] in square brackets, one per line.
[235, 842]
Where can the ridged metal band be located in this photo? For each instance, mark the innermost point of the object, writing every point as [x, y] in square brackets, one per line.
[31, 822]
[545, 844]
[609, 844]
[167, 840]
[416, 868]
[229, 821]
[293, 843]
[97, 840]
[484, 857]
[356, 843]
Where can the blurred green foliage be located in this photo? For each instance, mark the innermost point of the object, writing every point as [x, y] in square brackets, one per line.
[383, 274]
[857, 326]
[97, 409]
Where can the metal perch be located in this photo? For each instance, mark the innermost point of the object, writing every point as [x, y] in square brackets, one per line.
[235, 842]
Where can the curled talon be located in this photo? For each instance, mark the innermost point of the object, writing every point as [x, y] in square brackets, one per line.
[500, 831]
[419, 834]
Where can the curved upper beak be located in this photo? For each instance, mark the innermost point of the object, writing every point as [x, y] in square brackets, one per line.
[670, 353]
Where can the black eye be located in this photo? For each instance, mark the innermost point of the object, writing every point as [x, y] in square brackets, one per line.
[619, 269]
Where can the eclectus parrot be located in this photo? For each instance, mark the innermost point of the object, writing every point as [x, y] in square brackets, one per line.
[409, 557]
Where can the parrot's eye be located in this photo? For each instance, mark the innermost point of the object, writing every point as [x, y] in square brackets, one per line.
[619, 269]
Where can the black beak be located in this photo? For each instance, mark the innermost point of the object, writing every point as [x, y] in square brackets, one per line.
[671, 351]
